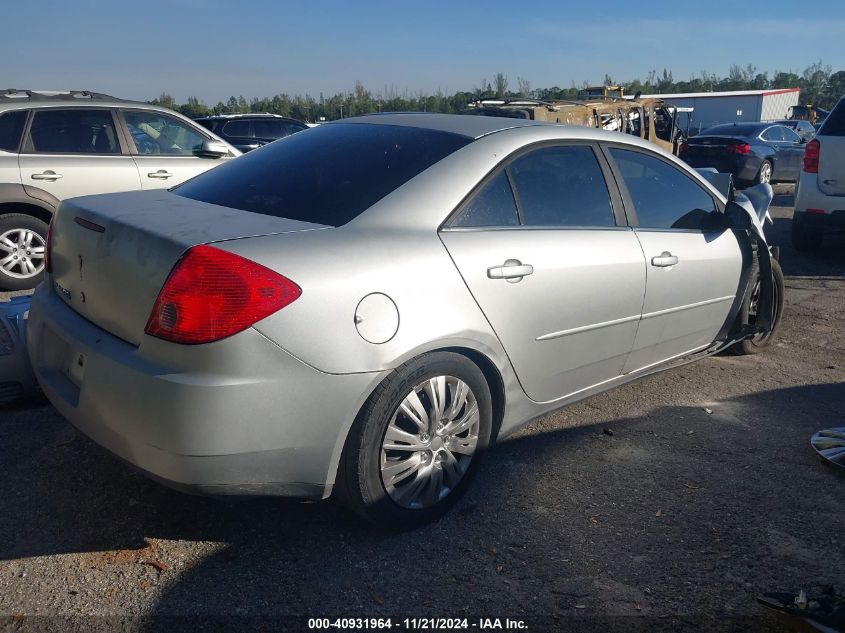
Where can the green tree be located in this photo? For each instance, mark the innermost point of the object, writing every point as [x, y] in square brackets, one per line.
[501, 85]
[194, 108]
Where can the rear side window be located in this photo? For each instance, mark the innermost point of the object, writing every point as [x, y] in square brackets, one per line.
[562, 186]
[834, 124]
[327, 175]
[270, 128]
[236, 128]
[74, 131]
[11, 128]
[492, 205]
[773, 133]
[663, 196]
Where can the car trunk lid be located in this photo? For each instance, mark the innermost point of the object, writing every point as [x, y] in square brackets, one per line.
[710, 145]
[111, 254]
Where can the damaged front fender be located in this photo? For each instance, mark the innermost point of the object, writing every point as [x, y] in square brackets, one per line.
[746, 214]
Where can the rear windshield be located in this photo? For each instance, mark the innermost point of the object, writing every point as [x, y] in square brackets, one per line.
[834, 124]
[328, 175]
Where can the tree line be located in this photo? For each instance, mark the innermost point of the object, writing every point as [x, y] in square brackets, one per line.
[819, 86]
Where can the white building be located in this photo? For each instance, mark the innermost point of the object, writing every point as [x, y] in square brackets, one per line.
[713, 108]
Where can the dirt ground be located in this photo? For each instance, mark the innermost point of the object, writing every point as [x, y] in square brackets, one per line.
[668, 504]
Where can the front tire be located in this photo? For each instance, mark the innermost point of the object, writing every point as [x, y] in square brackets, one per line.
[417, 443]
[22, 240]
[748, 314]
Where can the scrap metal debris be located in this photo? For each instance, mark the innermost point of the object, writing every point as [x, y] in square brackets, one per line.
[16, 377]
[830, 445]
[822, 609]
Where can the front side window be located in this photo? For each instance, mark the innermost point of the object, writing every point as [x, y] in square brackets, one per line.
[157, 133]
[328, 175]
[663, 196]
[492, 205]
[11, 128]
[562, 186]
[73, 131]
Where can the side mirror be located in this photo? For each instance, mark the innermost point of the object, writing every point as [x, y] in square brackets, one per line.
[802, 139]
[212, 149]
[737, 216]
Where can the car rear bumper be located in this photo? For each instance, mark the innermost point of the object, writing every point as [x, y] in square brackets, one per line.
[825, 222]
[239, 416]
[741, 168]
[816, 209]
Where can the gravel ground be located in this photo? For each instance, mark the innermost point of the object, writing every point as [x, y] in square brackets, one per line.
[668, 503]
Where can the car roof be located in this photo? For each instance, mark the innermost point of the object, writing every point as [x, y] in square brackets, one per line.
[465, 125]
[250, 115]
[736, 129]
[12, 98]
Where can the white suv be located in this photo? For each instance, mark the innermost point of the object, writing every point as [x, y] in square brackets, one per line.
[57, 145]
[820, 195]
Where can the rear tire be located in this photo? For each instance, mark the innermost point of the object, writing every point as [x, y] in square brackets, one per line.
[759, 343]
[22, 240]
[439, 465]
[805, 239]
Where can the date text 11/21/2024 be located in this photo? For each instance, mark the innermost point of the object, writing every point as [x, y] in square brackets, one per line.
[417, 624]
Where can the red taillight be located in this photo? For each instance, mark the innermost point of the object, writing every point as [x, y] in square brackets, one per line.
[739, 148]
[811, 156]
[48, 246]
[211, 294]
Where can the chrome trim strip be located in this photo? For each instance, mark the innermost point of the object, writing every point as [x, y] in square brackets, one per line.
[650, 315]
[689, 306]
[587, 328]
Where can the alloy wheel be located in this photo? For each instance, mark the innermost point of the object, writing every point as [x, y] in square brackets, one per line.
[765, 172]
[430, 442]
[21, 253]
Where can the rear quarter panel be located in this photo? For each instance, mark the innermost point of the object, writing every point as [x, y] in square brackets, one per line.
[337, 268]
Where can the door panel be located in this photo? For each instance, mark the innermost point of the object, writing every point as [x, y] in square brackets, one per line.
[165, 148]
[163, 172]
[686, 304]
[571, 322]
[75, 152]
[693, 270]
[67, 176]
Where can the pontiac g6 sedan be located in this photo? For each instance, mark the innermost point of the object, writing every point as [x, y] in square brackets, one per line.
[363, 308]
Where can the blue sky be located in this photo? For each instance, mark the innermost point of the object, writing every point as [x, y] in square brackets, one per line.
[212, 49]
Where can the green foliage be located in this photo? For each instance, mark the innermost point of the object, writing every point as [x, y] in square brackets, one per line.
[819, 86]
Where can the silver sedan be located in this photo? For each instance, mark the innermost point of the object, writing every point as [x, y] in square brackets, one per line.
[362, 309]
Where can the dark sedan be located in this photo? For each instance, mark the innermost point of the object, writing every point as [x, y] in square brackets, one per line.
[752, 152]
[250, 131]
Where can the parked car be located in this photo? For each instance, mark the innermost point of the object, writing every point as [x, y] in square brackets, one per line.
[362, 309]
[56, 145]
[251, 131]
[752, 152]
[804, 129]
[819, 206]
